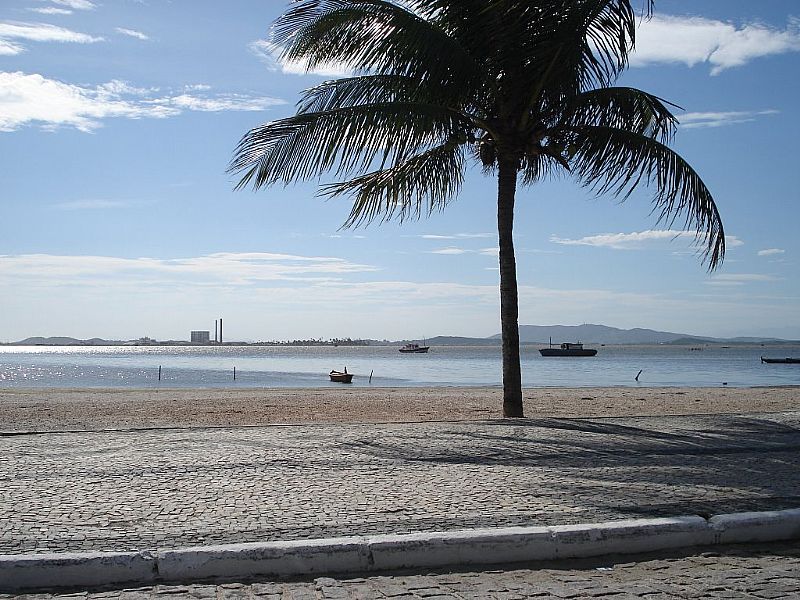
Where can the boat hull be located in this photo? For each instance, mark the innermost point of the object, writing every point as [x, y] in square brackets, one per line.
[781, 361]
[341, 377]
[420, 350]
[570, 352]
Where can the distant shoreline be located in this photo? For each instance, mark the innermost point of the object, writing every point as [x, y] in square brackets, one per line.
[73, 409]
[375, 344]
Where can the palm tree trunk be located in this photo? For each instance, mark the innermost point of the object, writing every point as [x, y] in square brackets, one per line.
[509, 310]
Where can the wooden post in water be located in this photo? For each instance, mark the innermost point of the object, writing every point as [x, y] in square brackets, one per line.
[159, 372]
[370, 375]
[234, 373]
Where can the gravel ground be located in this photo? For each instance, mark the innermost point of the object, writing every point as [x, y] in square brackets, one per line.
[97, 409]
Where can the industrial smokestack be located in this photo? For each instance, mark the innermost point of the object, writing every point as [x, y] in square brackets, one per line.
[215, 331]
[220, 330]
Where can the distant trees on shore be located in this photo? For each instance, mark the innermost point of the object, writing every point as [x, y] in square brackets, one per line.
[316, 342]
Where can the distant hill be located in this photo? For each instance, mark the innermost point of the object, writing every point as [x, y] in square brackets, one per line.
[528, 334]
[594, 334]
[602, 334]
[64, 341]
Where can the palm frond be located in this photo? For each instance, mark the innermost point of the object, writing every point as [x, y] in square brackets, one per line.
[423, 184]
[374, 89]
[377, 36]
[611, 160]
[345, 141]
[623, 108]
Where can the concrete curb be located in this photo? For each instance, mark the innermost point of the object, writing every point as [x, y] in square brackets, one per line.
[350, 555]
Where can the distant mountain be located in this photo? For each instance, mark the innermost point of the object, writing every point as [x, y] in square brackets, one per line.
[63, 341]
[594, 334]
[602, 334]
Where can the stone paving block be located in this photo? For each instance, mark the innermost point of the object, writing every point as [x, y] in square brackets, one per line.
[173, 488]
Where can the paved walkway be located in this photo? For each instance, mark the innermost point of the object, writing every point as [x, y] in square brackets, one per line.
[744, 572]
[130, 490]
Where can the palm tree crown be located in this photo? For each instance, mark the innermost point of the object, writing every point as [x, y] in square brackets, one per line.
[523, 88]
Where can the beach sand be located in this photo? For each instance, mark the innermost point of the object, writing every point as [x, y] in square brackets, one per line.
[97, 409]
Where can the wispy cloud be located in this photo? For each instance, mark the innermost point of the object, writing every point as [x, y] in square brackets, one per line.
[698, 40]
[450, 251]
[226, 268]
[38, 32]
[771, 252]
[735, 279]
[51, 10]
[132, 33]
[269, 54]
[223, 102]
[27, 99]
[457, 236]
[76, 4]
[10, 48]
[695, 120]
[636, 239]
[97, 204]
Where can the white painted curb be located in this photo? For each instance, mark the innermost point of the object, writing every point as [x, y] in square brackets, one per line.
[333, 555]
[768, 526]
[387, 552]
[72, 570]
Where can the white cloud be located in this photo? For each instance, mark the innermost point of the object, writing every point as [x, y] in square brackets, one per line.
[38, 32]
[738, 278]
[695, 120]
[270, 55]
[27, 99]
[50, 10]
[697, 40]
[10, 48]
[457, 236]
[76, 4]
[223, 102]
[224, 268]
[451, 251]
[771, 252]
[90, 204]
[132, 33]
[637, 239]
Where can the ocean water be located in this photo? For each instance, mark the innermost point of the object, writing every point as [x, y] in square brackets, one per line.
[292, 367]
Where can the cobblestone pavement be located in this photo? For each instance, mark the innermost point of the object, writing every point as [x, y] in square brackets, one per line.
[755, 572]
[129, 490]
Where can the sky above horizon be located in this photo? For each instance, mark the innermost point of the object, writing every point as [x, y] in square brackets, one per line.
[118, 220]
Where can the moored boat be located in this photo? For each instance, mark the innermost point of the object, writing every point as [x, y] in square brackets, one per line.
[781, 361]
[414, 349]
[341, 376]
[568, 349]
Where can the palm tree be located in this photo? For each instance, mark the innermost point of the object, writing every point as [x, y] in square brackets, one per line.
[523, 88]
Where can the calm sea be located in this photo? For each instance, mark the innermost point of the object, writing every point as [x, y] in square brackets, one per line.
[289, 367]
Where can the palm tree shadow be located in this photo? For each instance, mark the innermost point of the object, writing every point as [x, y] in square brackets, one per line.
[693, 466]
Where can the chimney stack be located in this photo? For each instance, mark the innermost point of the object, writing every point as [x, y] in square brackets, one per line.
[220, 330]
[215, 331]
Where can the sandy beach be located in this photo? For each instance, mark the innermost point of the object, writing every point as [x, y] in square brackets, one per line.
[96, 409]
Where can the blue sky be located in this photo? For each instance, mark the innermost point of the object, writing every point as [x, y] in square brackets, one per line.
[118, 119]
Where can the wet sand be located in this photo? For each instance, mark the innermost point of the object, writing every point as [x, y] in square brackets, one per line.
[97, 409]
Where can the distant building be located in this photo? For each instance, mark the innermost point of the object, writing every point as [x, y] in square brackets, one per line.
[200, 337]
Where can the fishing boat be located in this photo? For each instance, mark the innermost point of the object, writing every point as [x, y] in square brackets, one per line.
[341, 376]
[567, 349]
[781, 361]
[414, 349]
